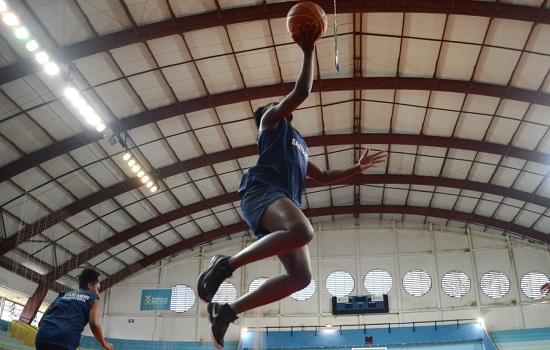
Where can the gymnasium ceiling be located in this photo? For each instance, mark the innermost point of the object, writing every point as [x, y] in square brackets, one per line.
[457, 92]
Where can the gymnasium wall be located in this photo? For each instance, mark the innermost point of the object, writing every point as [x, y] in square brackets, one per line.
[355, 247]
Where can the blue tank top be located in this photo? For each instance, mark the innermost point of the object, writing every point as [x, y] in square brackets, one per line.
[283, 158]
[66, 318]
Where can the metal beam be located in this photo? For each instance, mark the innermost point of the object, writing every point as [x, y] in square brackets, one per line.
[270, 91]
[310, 213]
[165, 218]
[54, 218]
[228, 16]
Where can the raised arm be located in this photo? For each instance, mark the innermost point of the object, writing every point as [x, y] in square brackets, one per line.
[95, 326]
[327, 177]
[302, 88]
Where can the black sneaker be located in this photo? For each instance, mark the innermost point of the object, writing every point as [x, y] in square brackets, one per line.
[209, 281]
[220, 317]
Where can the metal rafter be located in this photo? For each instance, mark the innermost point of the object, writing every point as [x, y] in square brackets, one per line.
[234, 15]
[388, 209]
[314, 141]
[270, 91]
[232, 197]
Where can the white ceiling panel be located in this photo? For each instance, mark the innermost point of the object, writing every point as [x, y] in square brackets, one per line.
[185, 146]
[463, 28]
[144, 11]
[496, 65]
[228, 217]
[508, 33]
[408, 119]
[119, 220]
[98, 69]
[164, 201]
[457, 60]
[317, 197]
[110, 266]
[213, 139]
[207, 223]
[258, 67]
[97, 231]
[376, 117]
[456, 169]
[539, 39]
[120, 98]
[187, 8]
[152, 89]
[486, 208]
[502, 130]
[529, 136]
[439, 122]
[419, 198]
[424, 25]
[418, 58]
[25, 134]
[342, 196]
[380, 56]
[139, 238]
[472, 126]
[169, 51]
[444, 201]
[79, 184]
[75, 243]
[481, 172]
[338, 118]
[106, 16]
[542, 224]
[188, 230]
[382, 23]
[168, 238]
[187, 194]
[185, 81]
[53, 194]
[530, 72]
[505, 212]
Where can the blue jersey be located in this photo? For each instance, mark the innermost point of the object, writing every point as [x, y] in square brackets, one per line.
[66, 318]
[282, 162]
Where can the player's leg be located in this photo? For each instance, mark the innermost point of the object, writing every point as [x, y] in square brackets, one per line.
[290, 230]
[297, 277]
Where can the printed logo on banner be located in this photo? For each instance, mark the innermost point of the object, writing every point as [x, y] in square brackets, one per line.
[156, 299]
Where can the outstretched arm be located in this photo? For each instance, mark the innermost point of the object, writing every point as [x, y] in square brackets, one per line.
[327, 177]
[302, 88]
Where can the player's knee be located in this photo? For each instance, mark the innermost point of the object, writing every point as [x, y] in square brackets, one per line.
[303, 280]
[303, 232]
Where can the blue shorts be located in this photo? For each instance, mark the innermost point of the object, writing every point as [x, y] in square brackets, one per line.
[255, 200]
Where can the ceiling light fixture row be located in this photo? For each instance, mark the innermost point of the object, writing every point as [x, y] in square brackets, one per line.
[11, 19]
[140, 172]
[22, 33]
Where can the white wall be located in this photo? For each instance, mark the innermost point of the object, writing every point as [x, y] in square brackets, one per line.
[343, 245]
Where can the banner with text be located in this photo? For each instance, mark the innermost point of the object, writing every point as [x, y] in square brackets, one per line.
[156, 299]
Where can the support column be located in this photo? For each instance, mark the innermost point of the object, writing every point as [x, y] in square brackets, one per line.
[33, 304]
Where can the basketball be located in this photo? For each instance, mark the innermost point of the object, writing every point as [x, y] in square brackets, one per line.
[303, 13]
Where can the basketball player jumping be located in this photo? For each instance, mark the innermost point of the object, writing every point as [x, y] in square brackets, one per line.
[271, 201]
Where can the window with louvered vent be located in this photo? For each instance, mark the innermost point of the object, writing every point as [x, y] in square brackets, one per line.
[531, 283]
[340, 284]
[183, 298]
[227, 293]
[495, 284]
[417, 282]
[378, 282]
[455, 284]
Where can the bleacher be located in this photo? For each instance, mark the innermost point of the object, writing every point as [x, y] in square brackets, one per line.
[8, 342]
